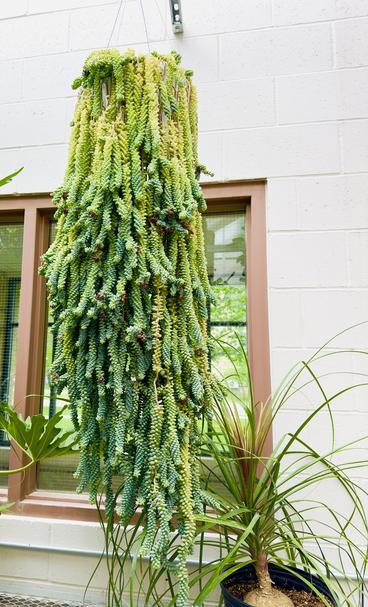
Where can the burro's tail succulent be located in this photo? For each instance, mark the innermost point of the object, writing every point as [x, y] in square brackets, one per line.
[129, 293]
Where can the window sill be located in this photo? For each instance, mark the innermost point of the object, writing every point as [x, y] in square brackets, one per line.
[56, 506]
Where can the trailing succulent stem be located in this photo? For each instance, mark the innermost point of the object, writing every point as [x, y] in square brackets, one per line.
[129, 293]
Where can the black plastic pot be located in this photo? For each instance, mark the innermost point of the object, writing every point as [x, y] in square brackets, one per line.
[282, 579]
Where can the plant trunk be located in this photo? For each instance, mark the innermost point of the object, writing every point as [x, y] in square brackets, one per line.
[265, 595]
[263, 575]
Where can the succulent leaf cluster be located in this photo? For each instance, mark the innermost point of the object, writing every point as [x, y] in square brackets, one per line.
[129, 293]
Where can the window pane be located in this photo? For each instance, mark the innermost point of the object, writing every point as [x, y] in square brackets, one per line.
[11, 243]
[55, 474]
[225, 249]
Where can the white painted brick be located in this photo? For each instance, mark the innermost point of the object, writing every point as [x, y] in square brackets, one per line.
[198, 54]
[77, 571]
[307, 259]
[217, 16]
[358, 258]
[43, 171]
[12, 530]
[354, 93]
[18, 563]
[228, 105]
[307, 97]
[336, 371]
[275, 51]
[351, 42]
[15, 8]
[11, 81]
[52, 75]
[284, 362]
[351, 8]
[319, 433]
[330, 492]
[327, 312]
[338, 202]
[34, 35]
[210, 154]
[45, 6]
[355, 145]
[33, 123]
[288, 12]
[280, 151]
[286, 321]
[71, 534]
[282, 205]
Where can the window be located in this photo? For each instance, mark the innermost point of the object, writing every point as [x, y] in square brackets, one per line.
[234, 228]
[224, 233]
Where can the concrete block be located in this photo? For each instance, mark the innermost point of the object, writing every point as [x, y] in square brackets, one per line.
[328, 312]
[358, 258]
[34, 35]
[282, 204]
[281, 151]
[11, 77]
[43, 171]
[16, 8]
[351, 42]
[287, 50]
[351, 8]
[238, 104]
[307, 97]
[218, 16]
[289, 12]
[355, 146]
[313, 259]
[33, 123]
[353, 90]
[52, 75]
[339, 202]
[285, 318]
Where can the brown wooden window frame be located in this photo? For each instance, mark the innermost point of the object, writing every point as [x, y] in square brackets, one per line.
[36, 211]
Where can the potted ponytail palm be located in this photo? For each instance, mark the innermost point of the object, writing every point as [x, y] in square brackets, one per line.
[283, 543]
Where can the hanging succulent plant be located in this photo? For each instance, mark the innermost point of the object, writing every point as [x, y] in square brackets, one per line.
[129, 292]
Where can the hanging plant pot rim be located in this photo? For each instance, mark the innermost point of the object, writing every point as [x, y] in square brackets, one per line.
[281, 577]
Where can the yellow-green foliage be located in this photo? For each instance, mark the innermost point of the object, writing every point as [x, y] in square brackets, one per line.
[129, 292]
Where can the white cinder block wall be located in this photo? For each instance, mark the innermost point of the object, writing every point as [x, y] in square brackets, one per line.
[283, 95]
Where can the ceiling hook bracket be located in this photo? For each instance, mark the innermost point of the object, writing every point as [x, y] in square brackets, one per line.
[176, 16]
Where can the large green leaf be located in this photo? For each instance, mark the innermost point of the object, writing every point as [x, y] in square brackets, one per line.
[8, 178]
[40, 438]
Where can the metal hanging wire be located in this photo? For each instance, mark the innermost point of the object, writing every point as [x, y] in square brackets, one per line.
[122, 5]
[145, 25]
[157, 3]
